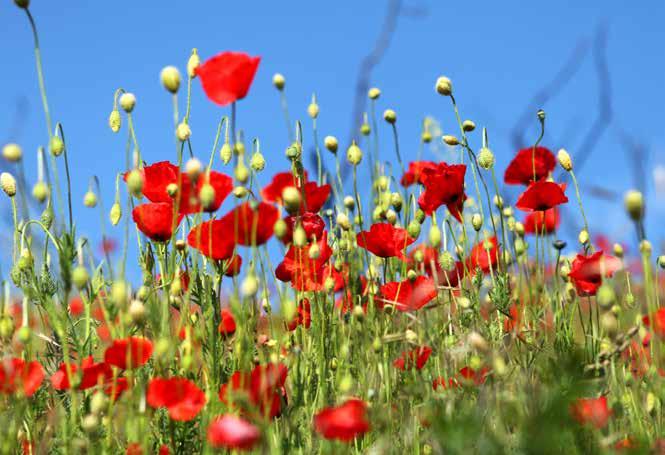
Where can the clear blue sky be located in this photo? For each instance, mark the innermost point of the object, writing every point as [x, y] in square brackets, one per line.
[498, 55]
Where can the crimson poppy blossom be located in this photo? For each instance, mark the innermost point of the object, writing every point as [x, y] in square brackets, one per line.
[76, 307]
[408, 295]
[234, 433]
[180, 396]
[128, 353]
[656, 321]
[233, 265]
[415, 173]
[484, 255]
[415, 358]
[591, 411]
[444, 185]
[263, 387]
[385, 240]
[312, 224]
[344, 422]
[302, 317]
[155, 220]
[471, 376]
[227, 76]
[227, 325]
[272, 192]
[116, 388]
[304, 272]
[19, 375]
[252, 223]
[314, 196]
[541, 222]
[587, 272]
[520, 171]
[540, 196]
[89, 374]
[213, 239]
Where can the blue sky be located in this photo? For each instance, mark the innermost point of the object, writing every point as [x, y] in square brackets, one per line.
[498, 54]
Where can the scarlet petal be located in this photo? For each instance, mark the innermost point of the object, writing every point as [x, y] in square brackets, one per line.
[156, 220]
[232, 432]
[16, 374]
[128, 353]
[221, 183]
[227, 77]
[385, 240]
[416, 358]
[541, 196]
[252, 223]
[213, 239]
[592, 411]
[520, 171]
[344, 422]
[227, 326]
[180, 396]
[409, 295]
[587, 272]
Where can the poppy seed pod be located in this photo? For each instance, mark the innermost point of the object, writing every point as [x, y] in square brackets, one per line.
[353, 154]
[40, 192]
[193, 63]
[634, 203]
[8, 184]
[115, 121]
[390, 116]
[170, 77]
[183, 132]
[331, 143]
[135, 182]
[485, 158]
[444, 86]
[115, 214]
[127, 102]
[56, 146]
[90, 199]
[12, 152]
[374, 93]
[278, 81]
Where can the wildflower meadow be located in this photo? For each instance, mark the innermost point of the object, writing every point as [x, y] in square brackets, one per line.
[389, 303]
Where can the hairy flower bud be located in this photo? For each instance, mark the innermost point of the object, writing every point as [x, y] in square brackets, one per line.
[390, 116]
[468, 126]
[257, 162]
[183, 132]
[292, 198]
[135, 182]
[331, 143]
[278, 81]
[8, 184]
[193, 168]
[354, 155]
[444, 86]
[40, 192]
[127, 102]
[115, 120]
[634, 202]
[564, 160]
[207, 195]
[374, 93]
[80, 277]
[226, 153]
[115, 214]
[56, 146]
[90, 199]
[280, 228]
[170, 77]
[12, 152]
[450, 140]
[193, 63]
[485, 158]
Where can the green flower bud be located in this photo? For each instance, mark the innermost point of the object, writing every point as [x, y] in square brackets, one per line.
[226, 153]
[115, 214]
[170, 78]
[56, 146]
[40, 192]
[80, 277]
[354, 155]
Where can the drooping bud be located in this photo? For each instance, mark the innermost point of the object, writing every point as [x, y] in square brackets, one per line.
[313, 108]
[434, 236]
[331, 143]
[127, 102]
[390, 116]
[477, 221]
[22, 3]
[40, 192]
[12, 152]
[468, 126]
[183, 132]
[292, 198]
[115, 214]
[299, 236]
[446, 261]
[278, 81]
[444, 86]
[226, 153]
[170, 77]
[564, 160]
[257, 162]
[241, 172]
[450, 140]
[374, 93]
[193, 168]
[137, 312]
[56, 146]
[135, 182]
[250, 285]
[193, 63]
[280, 228]
[115, 121]
[207, 195]
[8, 184]
[583, 237]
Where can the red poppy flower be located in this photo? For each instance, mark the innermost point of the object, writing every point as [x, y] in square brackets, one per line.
[108, 246]
[546, 221]
[520, 170]
[155, 220]
[226, 77]
[128, 353]
[76, 306]
[233, 433]
[593, 411]
[252, 223]
[302, 317]
[272, 192]
[587, 272]
[315, 196]
[444, 185]
[444, 383]
[227, 326]
[483, 255]
[658, 318]
[88, 375]
[385, 240]
[16, 374]
[213, 238]
[263, 388]
[344, 422]
[415, 173]
[540, 196]
[312, 223]
[415, 358]
[475, 377]
[431, 266]
[304, 272]
[408, 295]
[180, 396]
[232, 266]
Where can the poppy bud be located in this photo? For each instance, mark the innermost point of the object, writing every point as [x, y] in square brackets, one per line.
[365, 129]
[292, 198]
[6, 328]
[193, 168]
[115, 121]
[329, 284]
[349, 202]
[434, 236]
[294, 151]
[22, 3]
[605, 296]
[450, 140]
[374, 93]
[477, 221]
[90, 423]
[98, 403]
[183, 132]
[56, 146]
[257, 162]
[115, 214]
[239, 148]
[226, 153]
[583, 237]
[207, 195]
[418, 256]
[299, 236]
[313, 108]
[90, 199]
[634, 202]
[119, 292]
[240, 192]
[331, 143]
[564, 270]
[278, 81]
[426, 137]
[413, 229]
[468, 126]
[137, 312]
[12, 152]
[645, 247]
[280, 228]
[446, 261]
[8, 184]
[176, 287]
[498, 201]
[541, 115]
[477, 342]
[609, 324]
[661, 262]
[410, 336]
[559, 244]
[420, 216]
[343, 221]
[40, 191]
[391, 216]
[444, 86]
[396, 201]
[411, 275]
[520, 246]
[193, 63]
[485, 158]
[618, 250]
[172, 190]
[519, 228]
[135, 182]
[314, 251]
[80, 277]
[127, 102]
[390, 116]
[170, 77]
[354, 155]
[564, 160]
